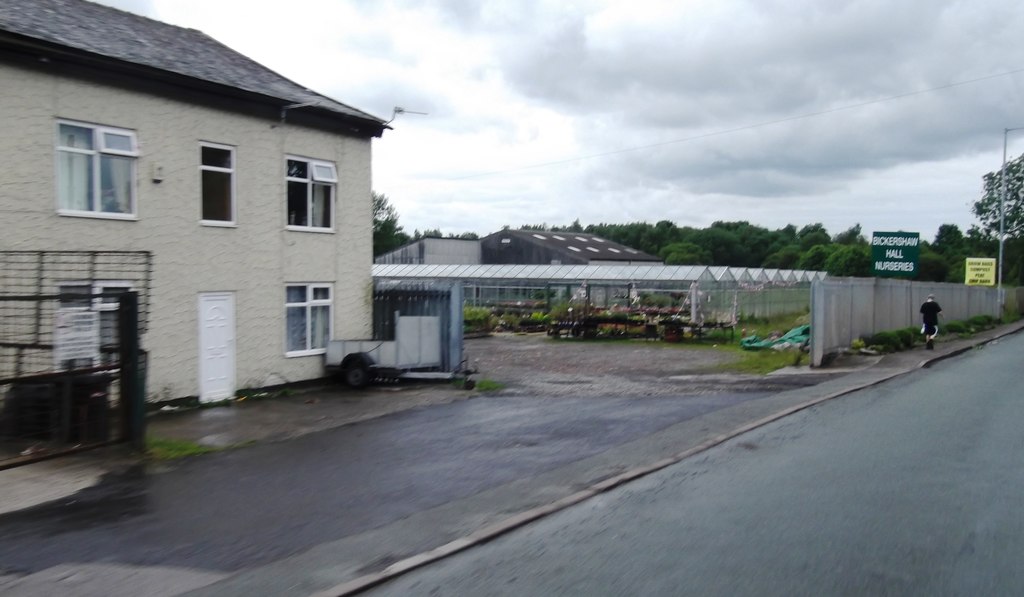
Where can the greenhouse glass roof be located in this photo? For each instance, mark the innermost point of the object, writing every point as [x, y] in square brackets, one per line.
[594, 274]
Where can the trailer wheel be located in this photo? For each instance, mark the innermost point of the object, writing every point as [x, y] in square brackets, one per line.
[357, 375]
[356, 371]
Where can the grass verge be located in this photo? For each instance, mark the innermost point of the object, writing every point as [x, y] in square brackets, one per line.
[489, 385]
[172, 449]
[759, 362]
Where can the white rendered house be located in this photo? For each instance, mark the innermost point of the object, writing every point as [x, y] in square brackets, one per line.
[250, 192]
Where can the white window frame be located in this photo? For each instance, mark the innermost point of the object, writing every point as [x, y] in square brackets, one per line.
[308, 304]
[97, 287]
[99, 149]
[231, 223]
[98, 305]
[327, 175]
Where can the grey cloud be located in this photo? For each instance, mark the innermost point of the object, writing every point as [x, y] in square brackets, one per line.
[804, 61]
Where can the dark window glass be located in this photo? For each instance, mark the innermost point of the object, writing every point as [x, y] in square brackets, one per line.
[217, 196]
[298, 203]
[214, 156]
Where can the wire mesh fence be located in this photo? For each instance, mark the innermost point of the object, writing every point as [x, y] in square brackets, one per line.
[61, 347]
[60, 359]
[35, 273]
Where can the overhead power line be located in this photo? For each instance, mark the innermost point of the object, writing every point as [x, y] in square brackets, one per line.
[746, 127]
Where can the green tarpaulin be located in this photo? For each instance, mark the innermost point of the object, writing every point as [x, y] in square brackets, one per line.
[794, 338]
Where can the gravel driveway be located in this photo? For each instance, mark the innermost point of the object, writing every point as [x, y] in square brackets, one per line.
[539, 365]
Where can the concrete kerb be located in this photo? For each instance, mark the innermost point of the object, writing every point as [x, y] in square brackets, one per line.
[495, 530]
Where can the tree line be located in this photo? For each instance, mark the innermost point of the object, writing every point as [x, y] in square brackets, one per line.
[811, 247]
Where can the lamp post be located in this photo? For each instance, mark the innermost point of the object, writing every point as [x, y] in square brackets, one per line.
[1002, 213]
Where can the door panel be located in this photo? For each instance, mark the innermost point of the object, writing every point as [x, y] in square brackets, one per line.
[216, 346]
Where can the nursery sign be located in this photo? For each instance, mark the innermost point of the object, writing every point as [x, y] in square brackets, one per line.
[895, 254]
[980, 271]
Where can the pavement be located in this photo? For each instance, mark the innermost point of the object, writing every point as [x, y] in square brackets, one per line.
[344, 566]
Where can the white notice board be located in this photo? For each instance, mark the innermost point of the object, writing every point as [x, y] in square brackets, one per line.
[76, 335]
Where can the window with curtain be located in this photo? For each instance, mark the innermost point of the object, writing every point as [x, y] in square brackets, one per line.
[310, 194]
[307, 318]
[95, 170]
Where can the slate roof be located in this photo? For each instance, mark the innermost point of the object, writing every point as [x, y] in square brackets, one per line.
[578, 244]
[121, 36]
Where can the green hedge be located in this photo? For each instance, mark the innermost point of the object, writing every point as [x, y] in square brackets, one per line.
[887, 341]
[904, 338]
[982, 322]
[956, 327]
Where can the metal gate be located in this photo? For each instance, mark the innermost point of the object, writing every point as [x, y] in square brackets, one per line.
[71, 368]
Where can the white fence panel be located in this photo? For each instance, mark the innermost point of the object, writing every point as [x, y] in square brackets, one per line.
[844, 309]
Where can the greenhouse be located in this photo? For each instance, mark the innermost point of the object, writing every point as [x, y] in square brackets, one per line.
[726, 294]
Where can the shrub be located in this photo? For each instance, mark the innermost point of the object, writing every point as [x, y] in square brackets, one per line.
[906, 336]
[534, 320]
[956, 327]
[888, 341]
[858, 344]
[981, 322]
[538, 318]
[476, 318]
[559, 312]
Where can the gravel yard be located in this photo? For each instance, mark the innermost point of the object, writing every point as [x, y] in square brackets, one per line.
[538, 365]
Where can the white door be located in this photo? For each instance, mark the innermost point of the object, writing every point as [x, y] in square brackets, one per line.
[216, 346]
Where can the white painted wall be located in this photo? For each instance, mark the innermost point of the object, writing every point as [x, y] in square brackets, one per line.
[254, 260]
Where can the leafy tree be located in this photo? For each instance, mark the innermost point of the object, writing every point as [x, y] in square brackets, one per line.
[684, 254]
[743, 244]
[949, 241]
[626, 234]
[849, 260]
[813, 235]
[957, 271]
[723, 245]
[654, 237]
[387, 234]
[788, 232]
[785, 258]
[428, 233]
[931, 266]
[851, 236]
[981, 244]
[816, 257]
[987, 208]
[755, 242]
[574, 227]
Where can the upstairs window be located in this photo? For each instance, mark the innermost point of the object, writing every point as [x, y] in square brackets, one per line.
[311, 186]
[96, 170]
[217, 180]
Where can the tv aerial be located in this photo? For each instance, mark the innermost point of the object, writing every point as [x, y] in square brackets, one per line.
[400, 110]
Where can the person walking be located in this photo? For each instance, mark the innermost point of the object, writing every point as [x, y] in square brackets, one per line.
[930, 318]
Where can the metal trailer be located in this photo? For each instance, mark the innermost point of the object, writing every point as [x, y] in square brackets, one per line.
[415, 353]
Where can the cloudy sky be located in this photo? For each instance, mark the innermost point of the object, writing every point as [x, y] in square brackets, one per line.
[875, 112]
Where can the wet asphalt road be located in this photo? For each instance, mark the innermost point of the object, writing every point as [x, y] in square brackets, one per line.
[235, 510]
[912, 487]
